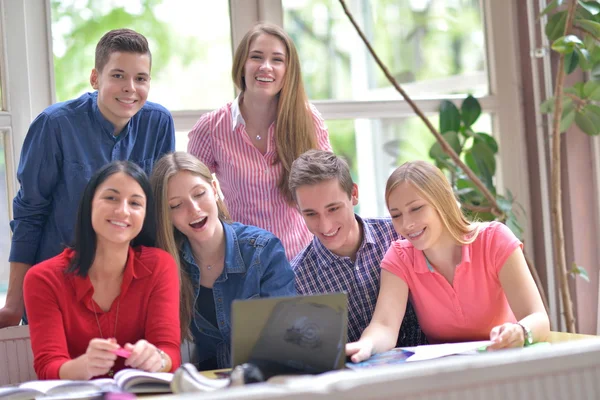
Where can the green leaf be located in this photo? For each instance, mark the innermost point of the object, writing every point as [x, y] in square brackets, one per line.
[592, 6]
[578, 270]
[468, 192]
[583, 58]
[449, 117]
[588, 119]
[567, 120]
[470, 110]
[576, 89]
[571, 62]
[566, 44]
[555, 27]
[547, 106]
[487, 140]
[482, 161]
[591, 90]
[504, 204]
[592, 27]
[437, 153]
[551, 7]
[513, 225]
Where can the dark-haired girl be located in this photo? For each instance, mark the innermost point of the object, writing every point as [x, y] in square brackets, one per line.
[111, 292]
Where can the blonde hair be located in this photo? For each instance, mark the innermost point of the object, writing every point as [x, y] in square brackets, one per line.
[294, 125]
[170, 238]
[435, 188]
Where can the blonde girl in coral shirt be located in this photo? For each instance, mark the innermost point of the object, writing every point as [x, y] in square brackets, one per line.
[466, 281]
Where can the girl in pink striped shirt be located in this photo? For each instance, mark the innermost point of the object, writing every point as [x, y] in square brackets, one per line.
[250, 143]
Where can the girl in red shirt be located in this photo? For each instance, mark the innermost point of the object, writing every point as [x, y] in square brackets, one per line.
[467, 281]
[109, 290]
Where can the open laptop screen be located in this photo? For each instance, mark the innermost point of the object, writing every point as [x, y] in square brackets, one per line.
[303, 333]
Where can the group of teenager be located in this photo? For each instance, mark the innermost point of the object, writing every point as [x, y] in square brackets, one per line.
[122, 246]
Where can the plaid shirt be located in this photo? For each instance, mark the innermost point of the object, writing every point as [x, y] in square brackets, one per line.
[318, 270]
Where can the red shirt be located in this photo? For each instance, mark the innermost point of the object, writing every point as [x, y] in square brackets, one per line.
[62, 320]
[248, 178]
[474, 303]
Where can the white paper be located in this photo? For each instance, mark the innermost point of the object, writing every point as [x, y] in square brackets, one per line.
[431, 351]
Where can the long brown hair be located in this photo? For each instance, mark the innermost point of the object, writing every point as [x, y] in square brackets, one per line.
[170, 238]
[435, 188]
[294, 124]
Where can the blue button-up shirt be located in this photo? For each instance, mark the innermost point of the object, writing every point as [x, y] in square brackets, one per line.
[64, 146]
[318, 270]
[255, 266]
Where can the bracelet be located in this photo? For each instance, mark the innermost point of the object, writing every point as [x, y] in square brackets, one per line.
[527, 335]
[163, 359]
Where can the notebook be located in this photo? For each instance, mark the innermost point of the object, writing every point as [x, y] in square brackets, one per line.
[126, 380]
[305, 334]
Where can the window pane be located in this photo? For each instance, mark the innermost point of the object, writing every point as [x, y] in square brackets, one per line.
[4, 227]
[432, 47]
[375, 147]
[191, 47]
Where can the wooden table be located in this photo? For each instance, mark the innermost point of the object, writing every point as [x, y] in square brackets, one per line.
[558, 337]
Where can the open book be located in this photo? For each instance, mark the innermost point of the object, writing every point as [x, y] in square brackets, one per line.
[419, 353]
[126, 380]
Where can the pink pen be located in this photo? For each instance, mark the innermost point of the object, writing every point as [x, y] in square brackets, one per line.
[121, 352]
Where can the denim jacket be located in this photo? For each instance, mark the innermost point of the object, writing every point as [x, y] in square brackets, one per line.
[255, 266]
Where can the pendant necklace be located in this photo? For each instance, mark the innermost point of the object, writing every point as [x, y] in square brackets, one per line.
[111, 372]
[258, 137]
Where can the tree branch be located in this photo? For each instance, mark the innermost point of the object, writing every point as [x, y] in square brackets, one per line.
[555, 197]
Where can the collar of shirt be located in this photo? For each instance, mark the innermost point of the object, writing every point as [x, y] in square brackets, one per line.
[236, 113]
[234, 263]
[106, 125]
[423, 266]
[133, 270]
[327, 257]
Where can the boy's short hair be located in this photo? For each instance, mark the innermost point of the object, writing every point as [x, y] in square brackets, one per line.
[316, 166]
[120, 40]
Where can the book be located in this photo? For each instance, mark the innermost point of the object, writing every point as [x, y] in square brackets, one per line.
[401, 355]
[126, 380]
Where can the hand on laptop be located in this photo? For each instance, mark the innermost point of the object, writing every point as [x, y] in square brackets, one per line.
[359, 351]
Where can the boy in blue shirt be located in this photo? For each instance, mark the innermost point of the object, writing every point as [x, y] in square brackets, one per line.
[69, 141]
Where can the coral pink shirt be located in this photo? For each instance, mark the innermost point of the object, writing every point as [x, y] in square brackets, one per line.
[62, 314]
[475, 303]
[248, 178]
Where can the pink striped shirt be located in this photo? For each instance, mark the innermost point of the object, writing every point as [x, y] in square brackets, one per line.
[248, 178]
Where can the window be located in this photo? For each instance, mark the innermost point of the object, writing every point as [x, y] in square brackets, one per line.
[434, 48]
[191, 47]
[431, 47]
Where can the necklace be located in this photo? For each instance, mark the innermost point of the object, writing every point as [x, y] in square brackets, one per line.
[209, 267]
[258, 137]
[110, 372]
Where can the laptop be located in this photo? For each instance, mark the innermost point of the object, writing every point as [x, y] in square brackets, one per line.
[300, 334]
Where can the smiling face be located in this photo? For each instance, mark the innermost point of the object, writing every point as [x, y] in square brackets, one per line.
[264, 70]
[193, 206]
[329, 215]
[118, 210]
[123, 86]
[415, 218]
